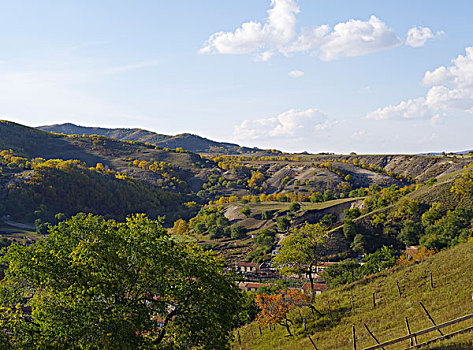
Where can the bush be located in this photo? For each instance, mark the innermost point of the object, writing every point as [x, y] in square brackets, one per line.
[238, 232]
[294, 207]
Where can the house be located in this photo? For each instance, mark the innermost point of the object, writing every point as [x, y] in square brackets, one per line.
[319, 288]
[411, 251]
[245, 267]
[251, 286]
[322, 265]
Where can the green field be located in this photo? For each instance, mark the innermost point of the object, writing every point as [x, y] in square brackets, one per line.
[282, 206]
[11, 232]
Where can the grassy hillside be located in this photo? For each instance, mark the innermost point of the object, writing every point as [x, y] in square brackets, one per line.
[188, 142]
[450, 298]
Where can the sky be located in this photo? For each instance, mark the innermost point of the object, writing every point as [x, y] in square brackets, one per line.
[341, 76]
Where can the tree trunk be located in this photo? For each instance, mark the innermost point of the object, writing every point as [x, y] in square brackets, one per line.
[311, 279]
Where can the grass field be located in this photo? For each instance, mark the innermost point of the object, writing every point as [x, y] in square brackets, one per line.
[282, 206]
[450, 298]
[11, 232]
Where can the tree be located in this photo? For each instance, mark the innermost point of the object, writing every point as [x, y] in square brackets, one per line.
[410, 233]
[328, 219]
[275, 308]
[301, 250]
[283, 223]
[380, 260]
[103, 284]
[359, 244]
[294, 207]
[246, 211]
[328, 195]
[346, 271]
[267, 215]
[238, 232]
[60, 217]
[41, 227]
[349, 229]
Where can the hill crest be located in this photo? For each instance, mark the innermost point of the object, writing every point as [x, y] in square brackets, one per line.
[187, 141]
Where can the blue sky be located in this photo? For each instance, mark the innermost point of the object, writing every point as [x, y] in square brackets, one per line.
[337, 76]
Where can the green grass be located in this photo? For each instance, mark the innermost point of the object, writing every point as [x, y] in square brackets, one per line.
[450, 298]
[7, 231]
[282, 206]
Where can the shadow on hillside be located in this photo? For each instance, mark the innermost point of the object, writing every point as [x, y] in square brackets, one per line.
[318, 323]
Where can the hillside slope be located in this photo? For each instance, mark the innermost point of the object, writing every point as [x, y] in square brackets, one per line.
[449, 299]
[188, 142]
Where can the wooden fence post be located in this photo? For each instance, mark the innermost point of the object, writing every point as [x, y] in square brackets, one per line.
[313, 344]
[399, 288]
[430, 318]
[374, 300]
[352, 302]
[372, 335]
[260, 332]
[353, 336]
[411, 342]
[305, 325]
[239, 339]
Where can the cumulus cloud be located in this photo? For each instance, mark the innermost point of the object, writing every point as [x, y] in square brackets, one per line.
[451, 88]
[351, 38]
[418, 36]
[296, 124]
[252, 36]
[278, 34]
[296, 73]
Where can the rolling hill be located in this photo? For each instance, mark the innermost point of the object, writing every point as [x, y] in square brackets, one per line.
[188, 142]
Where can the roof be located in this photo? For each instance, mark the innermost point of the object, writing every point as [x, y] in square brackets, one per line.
[248, 264]
[325, 263]
[411, 250]
[317, 286]
[255, 285]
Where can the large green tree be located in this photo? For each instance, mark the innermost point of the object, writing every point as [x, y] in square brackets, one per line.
[98, 284]
[301, 250]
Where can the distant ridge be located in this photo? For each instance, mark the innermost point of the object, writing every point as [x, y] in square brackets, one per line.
[188, 142]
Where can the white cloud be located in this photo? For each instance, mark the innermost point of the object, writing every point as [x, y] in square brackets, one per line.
[418, 36]
[295, 124]
[296, 73]
[278, 34]
[251, 36]
[264, 56]
[351, 38]
[451, 88]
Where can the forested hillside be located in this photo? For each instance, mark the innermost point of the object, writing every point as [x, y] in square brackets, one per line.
[188, 142]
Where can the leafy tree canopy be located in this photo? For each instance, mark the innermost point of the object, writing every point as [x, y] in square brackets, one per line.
[301, 250]
[97, 284]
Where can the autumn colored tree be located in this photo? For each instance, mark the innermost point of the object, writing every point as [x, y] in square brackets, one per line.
[301, 250]
[275, 308]
[180, 227]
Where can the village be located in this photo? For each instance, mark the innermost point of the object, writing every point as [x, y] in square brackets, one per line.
[257, 275]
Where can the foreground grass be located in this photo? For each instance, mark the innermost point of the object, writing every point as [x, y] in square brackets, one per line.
[450, 298]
